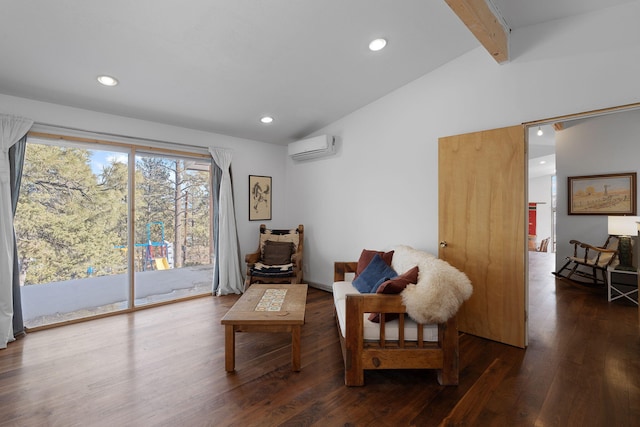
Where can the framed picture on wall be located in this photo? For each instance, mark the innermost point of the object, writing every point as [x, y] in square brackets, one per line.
[259, 198]
[610, 194]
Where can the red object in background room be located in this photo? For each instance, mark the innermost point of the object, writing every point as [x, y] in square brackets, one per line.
[532, 219]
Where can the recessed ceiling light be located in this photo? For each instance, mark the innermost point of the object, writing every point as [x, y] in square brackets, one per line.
[542, 162]
[266, 120]
[377, 44]
[107, 80]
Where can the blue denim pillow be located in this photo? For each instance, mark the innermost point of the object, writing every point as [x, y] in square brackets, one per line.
[376, 273]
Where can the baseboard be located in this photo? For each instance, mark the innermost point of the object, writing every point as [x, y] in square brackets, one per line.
[320, 286]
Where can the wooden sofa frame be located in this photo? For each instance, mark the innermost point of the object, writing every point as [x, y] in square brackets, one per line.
[360, 355]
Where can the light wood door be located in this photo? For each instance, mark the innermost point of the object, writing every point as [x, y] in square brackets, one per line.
[482, 219]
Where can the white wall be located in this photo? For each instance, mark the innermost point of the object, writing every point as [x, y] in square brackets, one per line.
[249, 157]
[600, 145]
[381, 188]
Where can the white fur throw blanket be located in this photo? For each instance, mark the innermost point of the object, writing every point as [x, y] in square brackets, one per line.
[441, 288]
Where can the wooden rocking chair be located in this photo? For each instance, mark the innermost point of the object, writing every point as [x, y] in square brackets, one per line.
[590, 261]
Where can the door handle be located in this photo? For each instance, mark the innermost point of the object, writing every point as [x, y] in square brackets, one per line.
[443, 244]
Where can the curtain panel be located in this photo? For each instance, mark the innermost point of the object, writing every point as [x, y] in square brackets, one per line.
[216, 180]
[228, 253]
[16, 161]
[12, 129]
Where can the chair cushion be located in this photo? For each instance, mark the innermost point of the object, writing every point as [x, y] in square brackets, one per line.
[374, 275]
[277, 253]
[262, 270]
[372, 330]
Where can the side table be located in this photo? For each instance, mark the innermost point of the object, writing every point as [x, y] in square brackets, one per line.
[615, 290]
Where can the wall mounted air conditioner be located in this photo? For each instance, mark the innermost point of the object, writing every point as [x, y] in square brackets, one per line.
[312, 148]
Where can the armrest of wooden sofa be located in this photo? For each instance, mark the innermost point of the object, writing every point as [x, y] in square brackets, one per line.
[401, 354]
[340, 269]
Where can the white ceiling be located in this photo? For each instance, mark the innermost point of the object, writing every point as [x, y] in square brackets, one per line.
[219, 65]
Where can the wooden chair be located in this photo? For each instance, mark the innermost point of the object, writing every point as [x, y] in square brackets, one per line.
[272, 243]
[544, 244]
[590, 261]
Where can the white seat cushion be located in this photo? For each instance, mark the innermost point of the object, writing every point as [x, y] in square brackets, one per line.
[372, 329]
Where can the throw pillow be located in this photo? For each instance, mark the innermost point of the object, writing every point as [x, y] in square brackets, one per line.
[395, 286]
[277, 253]
[280, 236]
[366, 256]
[374, 275]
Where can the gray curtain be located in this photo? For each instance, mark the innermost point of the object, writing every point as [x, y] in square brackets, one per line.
[228, 255]
[16, 161]
[216, 179]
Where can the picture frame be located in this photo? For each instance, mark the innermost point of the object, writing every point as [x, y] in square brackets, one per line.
[608, 194]
[260, 191]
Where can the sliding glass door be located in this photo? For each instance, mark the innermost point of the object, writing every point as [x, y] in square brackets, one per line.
[71, 228]
[85, 248]
[172, 228]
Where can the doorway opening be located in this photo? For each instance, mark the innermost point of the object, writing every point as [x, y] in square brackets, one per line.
[542, 188]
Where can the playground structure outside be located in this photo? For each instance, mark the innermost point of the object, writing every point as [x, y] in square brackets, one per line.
[152, 255]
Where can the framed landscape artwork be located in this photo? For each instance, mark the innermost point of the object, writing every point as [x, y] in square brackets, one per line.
[610, 194]
[259, 198]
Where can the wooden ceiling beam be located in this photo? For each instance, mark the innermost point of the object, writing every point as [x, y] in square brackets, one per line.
[485, 25]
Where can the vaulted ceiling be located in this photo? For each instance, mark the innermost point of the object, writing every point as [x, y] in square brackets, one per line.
[220, 65]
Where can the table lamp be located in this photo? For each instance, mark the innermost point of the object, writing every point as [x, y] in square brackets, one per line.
[624, 227]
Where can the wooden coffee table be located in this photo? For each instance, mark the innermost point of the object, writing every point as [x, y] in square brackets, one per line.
[266, 308]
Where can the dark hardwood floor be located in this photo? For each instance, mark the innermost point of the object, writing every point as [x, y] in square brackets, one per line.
[165, 367]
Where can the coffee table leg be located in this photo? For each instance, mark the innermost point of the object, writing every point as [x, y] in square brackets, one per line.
[295, 348]
[229, 348]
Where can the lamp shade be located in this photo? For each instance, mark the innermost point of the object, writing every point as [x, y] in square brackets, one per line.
[623, 225]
